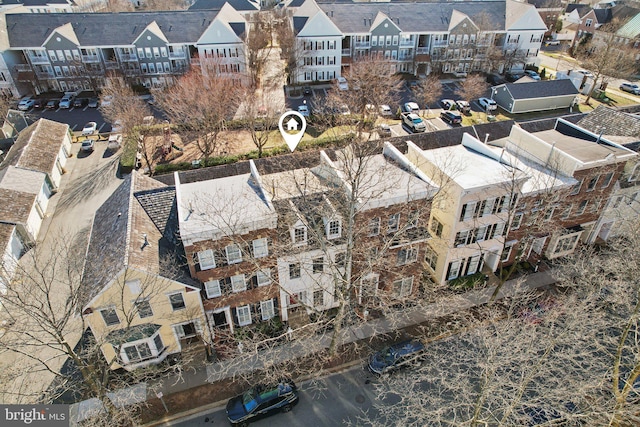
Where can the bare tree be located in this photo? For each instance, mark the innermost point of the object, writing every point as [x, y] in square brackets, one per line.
[472, 87]
[201, 104]
[289, 46]
[262, 120]
[605, 57]
[258, 46]
[46, 336]
[428, 90]
[119, 103]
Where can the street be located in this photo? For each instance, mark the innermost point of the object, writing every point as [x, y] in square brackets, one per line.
[326, 402]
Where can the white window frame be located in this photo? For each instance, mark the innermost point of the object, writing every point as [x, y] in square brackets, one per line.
[234, 253]
[113, 308]
[315, 293]
[213, 288]
[331, 232]
[296, 267]
[406, 287]
[393, 224]
[238, 283]
[136, 304]
[303, 240]
[183, 301]
[205, 256]
[267, 310]
[263, 277]
[454, 269]
[244, 317]
[260, 247]
[607, 179]
[561, 248]
[371, 280]
[409, 255]
[374, 226]
[506, 252]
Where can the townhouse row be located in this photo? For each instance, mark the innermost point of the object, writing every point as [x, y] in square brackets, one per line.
[292, 239]
[75, 51]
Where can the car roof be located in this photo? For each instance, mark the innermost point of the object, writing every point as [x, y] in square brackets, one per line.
[407, 347]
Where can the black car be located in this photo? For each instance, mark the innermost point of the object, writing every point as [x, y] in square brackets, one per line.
[52, 104]
[395, 356]
[306, 90]
[512, 77]
[451, 117]
[495, 79]
[80, 102]
[260, 401]
[39, 103]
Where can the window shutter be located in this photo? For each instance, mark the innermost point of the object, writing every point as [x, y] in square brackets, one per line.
[234, 315]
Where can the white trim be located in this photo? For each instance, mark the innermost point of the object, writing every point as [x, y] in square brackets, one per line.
[214, 283]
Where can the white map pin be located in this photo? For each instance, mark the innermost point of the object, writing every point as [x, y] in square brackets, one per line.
[293, 130]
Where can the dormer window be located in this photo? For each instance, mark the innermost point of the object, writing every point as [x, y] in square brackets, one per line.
[334, 229]
[299, 235]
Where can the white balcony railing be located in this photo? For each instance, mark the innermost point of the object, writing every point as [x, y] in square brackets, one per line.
[39, 59]
[128, 57]
[90, 58]
[422, 51]
[346, 52]
[177, 55]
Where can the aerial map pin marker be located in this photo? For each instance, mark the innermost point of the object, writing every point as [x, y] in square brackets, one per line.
[293, 128]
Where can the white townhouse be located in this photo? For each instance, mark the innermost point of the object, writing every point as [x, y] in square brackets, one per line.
[420, 38]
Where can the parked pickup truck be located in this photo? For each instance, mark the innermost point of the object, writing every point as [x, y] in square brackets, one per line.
[413, 122]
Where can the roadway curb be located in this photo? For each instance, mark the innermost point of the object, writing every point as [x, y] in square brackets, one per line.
[193, 413]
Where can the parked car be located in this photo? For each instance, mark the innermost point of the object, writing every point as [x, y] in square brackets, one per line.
[26, 103]
[512, 77]
[385, 110]
[552, 43]
[306, 90]
[93, 103]
[39, 103]
[411, 107]
[80, 102]
[261, 401]
[451, 117]
[414, 122]
[304, 110]
[342, 83]
[495, 79]
[396, 356]
[532, 74]
[116, 126]
[89, 128]
[66, 101]
[87, 145]
[447, 103]
[631, 88]
[114, 142]
[52, 104]
[463, 106]
[487, 104]
[384, 130]
[585, 73]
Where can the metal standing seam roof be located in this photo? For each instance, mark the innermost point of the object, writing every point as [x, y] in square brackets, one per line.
[631, 29]
[417, 17]
[540, 89]
[107, 29]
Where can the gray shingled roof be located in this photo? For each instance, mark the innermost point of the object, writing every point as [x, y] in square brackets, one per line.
[37, 146]
[239, 5]
[541, 89]
[615, 122]
[412, 17]
[107, 29]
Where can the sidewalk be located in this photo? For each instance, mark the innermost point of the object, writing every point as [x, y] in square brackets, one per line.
[228, 369]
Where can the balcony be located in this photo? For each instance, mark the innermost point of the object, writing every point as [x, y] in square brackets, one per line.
[362, 45]
[346, 52]
[441, 43]
[45, 74]
[111, 65]
[195, 61]
[407, 43]
[422, 51]
[128, 57]
[90, 58]
[39, 59]
[177, 55]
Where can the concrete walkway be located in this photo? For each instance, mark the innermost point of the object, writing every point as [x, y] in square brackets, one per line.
[299, 348]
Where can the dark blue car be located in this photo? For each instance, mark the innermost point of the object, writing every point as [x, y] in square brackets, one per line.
[261, 401]
[395, 356]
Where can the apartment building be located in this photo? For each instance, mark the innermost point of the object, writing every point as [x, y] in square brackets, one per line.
[419, 38]
[62, 51]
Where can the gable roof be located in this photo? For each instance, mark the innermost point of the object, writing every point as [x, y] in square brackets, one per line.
[239, 5]
[136, 227]
[540, 89]
[37, 147]
[107, 29]
[603, 15]
[415, 17]
[581, 9]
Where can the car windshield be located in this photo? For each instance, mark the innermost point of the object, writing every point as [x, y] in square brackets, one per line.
[417, 120]
[249, 400]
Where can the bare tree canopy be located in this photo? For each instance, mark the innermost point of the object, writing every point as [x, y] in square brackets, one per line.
[200, 105]
[119, 103]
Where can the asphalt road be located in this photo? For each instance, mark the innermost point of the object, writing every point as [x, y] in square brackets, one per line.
[326, 402]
